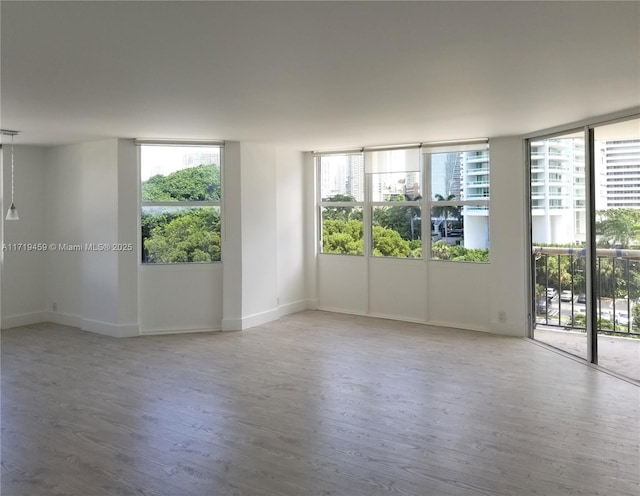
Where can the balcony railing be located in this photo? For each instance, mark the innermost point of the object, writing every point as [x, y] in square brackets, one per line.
[560, 277]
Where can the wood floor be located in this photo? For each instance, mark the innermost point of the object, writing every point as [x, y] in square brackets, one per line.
[314, 404]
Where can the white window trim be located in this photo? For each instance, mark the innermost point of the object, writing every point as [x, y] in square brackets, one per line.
[205, 203]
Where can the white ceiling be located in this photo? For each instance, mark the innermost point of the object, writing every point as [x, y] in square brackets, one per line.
[316, 75]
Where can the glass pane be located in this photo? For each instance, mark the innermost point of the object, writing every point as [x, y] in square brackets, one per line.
[342, 178]
[397, 232]
[180, 173]
[180, 234]
[342, 231]
[446, 171]
[396, 186]
[475, 169]
[617, 159]
[460, 233]
[459, 175]
[558, 229]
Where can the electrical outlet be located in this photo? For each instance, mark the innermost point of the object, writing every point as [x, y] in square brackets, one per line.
[54, 306]
[502, 317]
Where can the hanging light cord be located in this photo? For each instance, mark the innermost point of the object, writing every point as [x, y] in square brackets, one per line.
[11, 169]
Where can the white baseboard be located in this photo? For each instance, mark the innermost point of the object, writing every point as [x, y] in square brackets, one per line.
[341, 310]
[23, 319]
[399, 318]
[451, 325]
[260, 318]
[373, 315]
[240, 324]
[158, 332]
[108, 329]
[294, 307]
[456, 325]
[67, 319]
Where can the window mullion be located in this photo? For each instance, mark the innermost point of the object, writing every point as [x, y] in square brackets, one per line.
[367, 217]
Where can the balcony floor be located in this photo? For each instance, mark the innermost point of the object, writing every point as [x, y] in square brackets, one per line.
[618, 354]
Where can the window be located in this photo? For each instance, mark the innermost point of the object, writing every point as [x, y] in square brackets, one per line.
[341, 203]
[459, 202]
[180, 209]
[396, 202]
[374, 202]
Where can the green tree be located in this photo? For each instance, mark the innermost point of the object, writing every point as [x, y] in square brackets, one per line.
[171, 235]
[440, 250]
[193, 236]
[388, 243]
[554, 271]
[618, 227]
[635, 316]
[405, 219]
[342, 237]
[201, 183]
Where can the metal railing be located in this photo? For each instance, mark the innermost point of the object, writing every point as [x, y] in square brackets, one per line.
[560, 282]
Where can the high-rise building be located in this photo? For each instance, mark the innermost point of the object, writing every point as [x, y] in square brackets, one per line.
[200, 158]
[621, 160]
[558, 191]
[355, 176]
[473, 179]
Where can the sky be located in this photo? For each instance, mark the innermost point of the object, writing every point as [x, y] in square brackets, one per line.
[164, 160]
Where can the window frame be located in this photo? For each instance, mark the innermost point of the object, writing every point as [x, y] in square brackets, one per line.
[321, 204]
[140, 143]
[371, 205]
[426, 203]
[462, 203]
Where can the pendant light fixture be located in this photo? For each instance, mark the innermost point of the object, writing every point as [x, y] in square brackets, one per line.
[12, 213]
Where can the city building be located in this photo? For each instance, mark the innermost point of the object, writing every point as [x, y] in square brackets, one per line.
[558, 191]
[621, 159]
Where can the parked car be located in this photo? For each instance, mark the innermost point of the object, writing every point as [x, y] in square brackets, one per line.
[622, 318]
[582, 298]
[551, 293]
[566, 295]
[606, 315]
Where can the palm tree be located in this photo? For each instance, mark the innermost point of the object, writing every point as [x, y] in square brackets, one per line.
[446, 211]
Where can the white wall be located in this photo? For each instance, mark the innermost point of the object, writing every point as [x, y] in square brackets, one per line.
[128, 234]
[23, 294]
[90, 191]
[64, 219]
[398, 289]
[99, 225]
[507, 283]
[459, 294]
[259, 231]
[342, 283]
[180, 298]
[232, 248]
[264, 234]
[290, 194]
[310, 223]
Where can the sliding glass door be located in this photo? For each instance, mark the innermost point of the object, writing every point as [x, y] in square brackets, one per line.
[617, 229]
[585, 243]
[558, 235]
